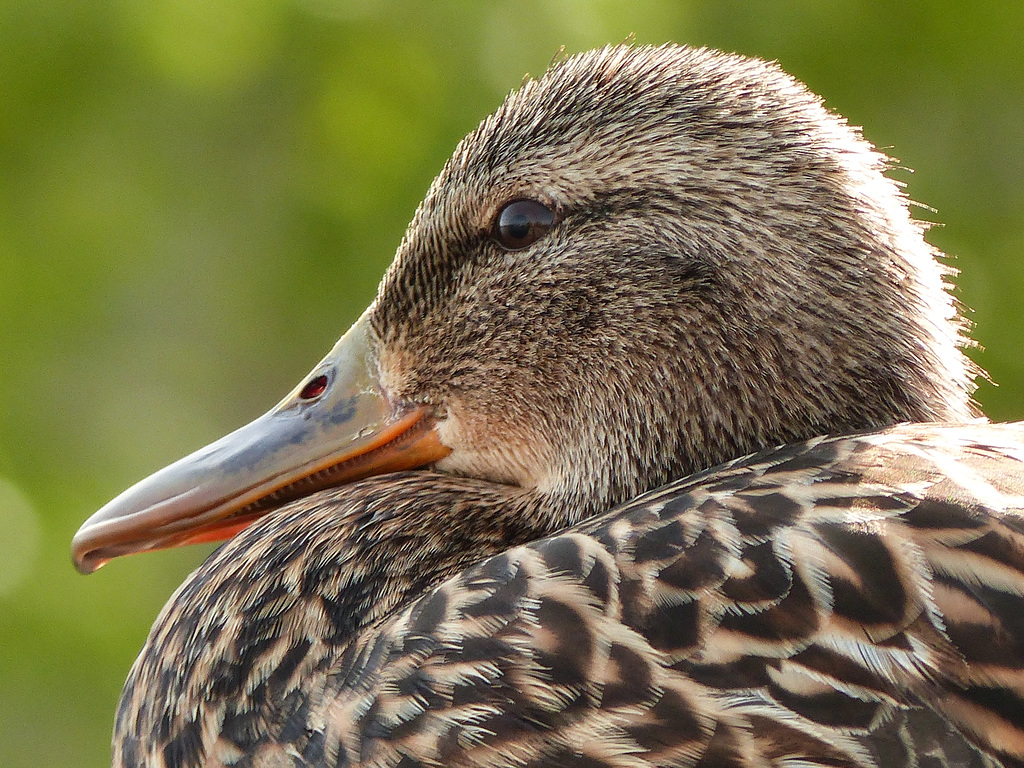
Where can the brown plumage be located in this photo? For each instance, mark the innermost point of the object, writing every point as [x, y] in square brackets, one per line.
[711, 265]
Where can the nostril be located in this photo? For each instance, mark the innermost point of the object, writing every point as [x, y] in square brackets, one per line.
[314, 387]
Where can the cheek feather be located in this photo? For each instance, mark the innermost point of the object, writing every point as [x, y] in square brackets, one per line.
[500, 449]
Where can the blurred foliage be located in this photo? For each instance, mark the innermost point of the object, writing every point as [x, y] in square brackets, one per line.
[198, 196]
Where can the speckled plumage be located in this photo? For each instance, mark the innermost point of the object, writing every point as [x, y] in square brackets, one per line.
[729, 271]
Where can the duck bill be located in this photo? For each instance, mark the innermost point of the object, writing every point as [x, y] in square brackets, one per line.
[336, 427]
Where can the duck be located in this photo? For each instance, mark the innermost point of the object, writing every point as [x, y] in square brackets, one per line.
[656, 447]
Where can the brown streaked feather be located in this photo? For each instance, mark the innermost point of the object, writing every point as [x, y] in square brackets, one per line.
[864, 619]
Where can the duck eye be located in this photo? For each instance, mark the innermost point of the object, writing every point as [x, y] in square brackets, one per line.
[522, 223]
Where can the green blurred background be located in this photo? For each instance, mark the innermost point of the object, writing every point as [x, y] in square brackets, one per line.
[198, 196]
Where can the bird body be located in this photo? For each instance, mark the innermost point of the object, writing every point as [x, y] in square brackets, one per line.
[656, 448]
[816, 598]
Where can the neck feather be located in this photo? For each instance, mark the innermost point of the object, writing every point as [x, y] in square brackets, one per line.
[276, 601]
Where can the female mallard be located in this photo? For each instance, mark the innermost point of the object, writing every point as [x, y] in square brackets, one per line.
[646, 263]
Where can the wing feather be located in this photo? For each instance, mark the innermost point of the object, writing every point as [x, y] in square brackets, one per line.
[855, 601]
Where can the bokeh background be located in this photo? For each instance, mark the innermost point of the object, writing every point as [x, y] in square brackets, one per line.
[198, 196]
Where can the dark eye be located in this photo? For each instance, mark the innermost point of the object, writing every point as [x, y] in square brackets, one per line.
[522, 223]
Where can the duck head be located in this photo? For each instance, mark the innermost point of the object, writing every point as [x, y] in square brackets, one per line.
[646, 262]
